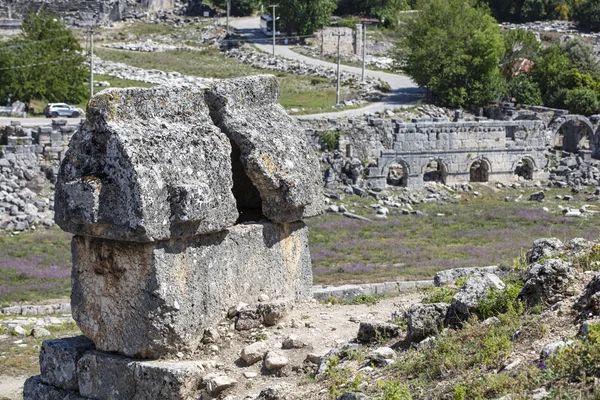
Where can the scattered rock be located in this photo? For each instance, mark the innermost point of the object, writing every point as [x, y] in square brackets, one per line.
[425, 320]
[217, 382]
[255, 352]
[371, 331]
[275, 361]
[548, 282]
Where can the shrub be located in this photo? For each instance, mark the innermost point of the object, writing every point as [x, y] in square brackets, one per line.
[525, 91]
[582, 100]
[331, 139]
[498, 302]
[588, 14]
[393, 390]
[441, 294]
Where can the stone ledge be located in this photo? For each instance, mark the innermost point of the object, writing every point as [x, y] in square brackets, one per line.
[348, 292]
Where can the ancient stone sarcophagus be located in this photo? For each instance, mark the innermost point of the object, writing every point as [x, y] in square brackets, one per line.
[184, 202]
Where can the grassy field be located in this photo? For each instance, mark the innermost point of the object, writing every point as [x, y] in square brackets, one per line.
[314, 95]
[474, 231]
[35, 266]
[23, 360]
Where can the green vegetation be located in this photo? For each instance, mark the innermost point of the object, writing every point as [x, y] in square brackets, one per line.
[360, 299]
[331, 139]
[589, 15]
[474, 231]
[24, 360]
[454, 50]
[34, 266]
[388, 12]
[43, 62]
[304, 16]
[296, 91]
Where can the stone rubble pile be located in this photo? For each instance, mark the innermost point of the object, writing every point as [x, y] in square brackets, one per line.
[28, 159]
[374, 57]
[543, 26]
[574, 170]
[124, 71]
[256, 59]
[148, 46]
[169, 242]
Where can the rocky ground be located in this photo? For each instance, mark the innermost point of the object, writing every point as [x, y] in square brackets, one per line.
[417, 345]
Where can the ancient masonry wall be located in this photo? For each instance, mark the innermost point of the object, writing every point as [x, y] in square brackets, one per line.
[187, 206]
[82, 10]
[29, 158]
[350, 41]
[501, 150]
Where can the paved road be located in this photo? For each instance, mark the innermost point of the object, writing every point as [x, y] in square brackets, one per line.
[36, 121]
[404, 91]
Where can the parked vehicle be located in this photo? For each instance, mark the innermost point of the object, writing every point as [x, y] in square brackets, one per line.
[54, 110]
[266, 25]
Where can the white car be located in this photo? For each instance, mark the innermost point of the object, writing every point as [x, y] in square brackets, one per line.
[54, 110]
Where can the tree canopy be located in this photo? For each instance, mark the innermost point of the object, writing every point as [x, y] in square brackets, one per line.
[453, 49]
[304, 16]
[45, 61]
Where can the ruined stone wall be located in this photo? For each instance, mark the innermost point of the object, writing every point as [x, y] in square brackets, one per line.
[502, 150]
[329, 40]
[77, 12]
[498, 146]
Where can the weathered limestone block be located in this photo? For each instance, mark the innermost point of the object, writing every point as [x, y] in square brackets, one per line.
[148, 164]
[274, 151]
[58, 361]
[154, 299]
[106, 376]
[36, 389]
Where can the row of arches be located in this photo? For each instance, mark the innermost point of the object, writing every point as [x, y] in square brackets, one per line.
[571, 133]
[436, 171]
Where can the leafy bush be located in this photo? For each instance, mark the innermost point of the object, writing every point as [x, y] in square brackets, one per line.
[331, 139]
[498, 302]
[588, 14]
[582, 100]
[525, 91]
[443, 294]
[393, 390]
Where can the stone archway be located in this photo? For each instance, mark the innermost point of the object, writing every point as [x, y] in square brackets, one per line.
[435, 171]
[574, 133]
[479, 171]
[397, 174]
[524, 168]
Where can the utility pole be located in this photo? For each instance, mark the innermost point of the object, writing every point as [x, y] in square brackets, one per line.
[364, 50]
[228, 10]
[337, 86]
[274, 29]
[91, 63]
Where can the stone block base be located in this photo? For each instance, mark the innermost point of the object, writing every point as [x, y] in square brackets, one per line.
[102, 376]
[151, 300]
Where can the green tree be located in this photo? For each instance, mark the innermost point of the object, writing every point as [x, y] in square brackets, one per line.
[453, 49]
[588, 14]
[305, 16]
[518, 44]
[525, 90]
[45, 62]
[581, 55]
[581, 100]
[549, 73]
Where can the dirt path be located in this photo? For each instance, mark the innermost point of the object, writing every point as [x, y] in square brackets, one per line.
[11, 387]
